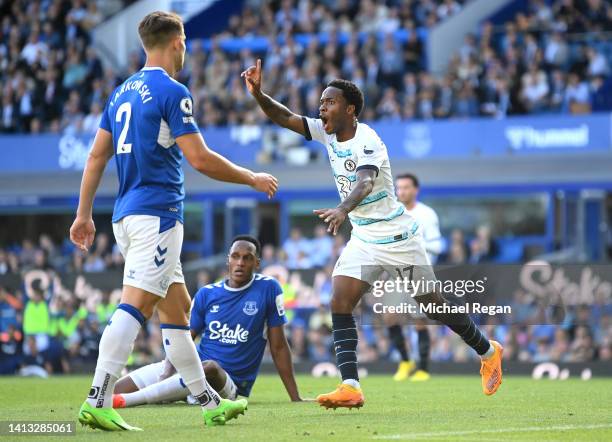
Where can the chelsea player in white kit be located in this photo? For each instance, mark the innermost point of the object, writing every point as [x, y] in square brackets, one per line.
[407, 189]
[148, 126]
[383, 235]
[236, 319]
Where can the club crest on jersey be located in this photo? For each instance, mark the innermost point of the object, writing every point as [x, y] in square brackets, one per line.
[250, 308]
[350, 165]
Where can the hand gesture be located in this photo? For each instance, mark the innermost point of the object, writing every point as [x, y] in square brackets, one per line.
[82, 233]
[265, 183]
[333, 217]
[252, 78]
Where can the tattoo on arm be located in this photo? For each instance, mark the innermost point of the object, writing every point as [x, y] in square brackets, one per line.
[365, 184]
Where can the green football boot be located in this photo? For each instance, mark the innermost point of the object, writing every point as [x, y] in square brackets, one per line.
[106, 419]
[225, 411]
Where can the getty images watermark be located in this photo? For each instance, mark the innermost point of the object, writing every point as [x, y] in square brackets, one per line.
[527, 294]
[397, 296]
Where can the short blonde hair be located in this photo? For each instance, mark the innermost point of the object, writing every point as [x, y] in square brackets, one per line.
[158, 28]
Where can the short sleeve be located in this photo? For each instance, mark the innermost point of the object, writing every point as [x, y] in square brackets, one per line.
[105, 121]
[372, 154]
[178, 112]
[197, 320]
[314, 130]
[276, 307]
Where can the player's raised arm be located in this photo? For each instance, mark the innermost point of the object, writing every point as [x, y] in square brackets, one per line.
[83, 229]
[277, 112]
[220, 168]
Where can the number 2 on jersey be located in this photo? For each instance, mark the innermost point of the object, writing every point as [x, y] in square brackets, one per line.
[122, 146]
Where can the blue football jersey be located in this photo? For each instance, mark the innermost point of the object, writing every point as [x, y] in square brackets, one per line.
[145, 115]
[233, 324]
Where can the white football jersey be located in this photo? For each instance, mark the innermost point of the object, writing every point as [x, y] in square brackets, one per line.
[430, 226]
[379, 218]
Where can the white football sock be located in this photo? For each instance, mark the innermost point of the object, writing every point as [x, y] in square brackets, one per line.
[228, 389]
[352, 382]
[168, 390]
[115, 347]
[181, 352]
[490, 352]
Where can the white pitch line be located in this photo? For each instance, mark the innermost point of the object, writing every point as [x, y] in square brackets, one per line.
[495, 431]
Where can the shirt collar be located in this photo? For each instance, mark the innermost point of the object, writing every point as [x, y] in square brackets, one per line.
[239, 289]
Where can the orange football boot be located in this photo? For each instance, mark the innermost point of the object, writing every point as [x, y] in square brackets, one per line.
[343, 396]
[491, 370]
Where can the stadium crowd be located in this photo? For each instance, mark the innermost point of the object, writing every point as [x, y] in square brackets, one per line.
[52, 79]
[298, 252]
[53, 321]
[554, 58]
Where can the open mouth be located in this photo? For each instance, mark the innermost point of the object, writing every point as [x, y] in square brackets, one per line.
[325, 122]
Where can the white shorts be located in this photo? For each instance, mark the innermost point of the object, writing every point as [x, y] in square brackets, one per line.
[368, 261]
[152, 259]
[149, 375]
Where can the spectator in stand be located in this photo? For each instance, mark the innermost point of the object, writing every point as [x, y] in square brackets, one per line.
[582, 349]
[4, 265]
[36, 318]
[482, 247]
[92, 121]
[320, 340]
[11, 342]
[534, 92]
[268, 256]
[105, 308]
[10, 310]
[34, 363]
[321, 247]
[296, 247]
[577, 95]
[72, 118]
[598, 65]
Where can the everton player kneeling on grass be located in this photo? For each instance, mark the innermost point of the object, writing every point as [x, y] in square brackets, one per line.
[234, 318]
[384, 235]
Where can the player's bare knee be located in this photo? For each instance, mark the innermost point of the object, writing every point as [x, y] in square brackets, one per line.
[339, 305]
[142, 300]
[176, 306]
[125, 385]
[211, 368]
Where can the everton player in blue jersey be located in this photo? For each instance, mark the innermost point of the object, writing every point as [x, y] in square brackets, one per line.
[236, 318]
[148, 125]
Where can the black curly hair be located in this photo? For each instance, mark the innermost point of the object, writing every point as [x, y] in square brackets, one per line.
[252, 240]
[351, 93]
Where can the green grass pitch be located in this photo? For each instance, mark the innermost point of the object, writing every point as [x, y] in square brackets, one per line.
[444, 408]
